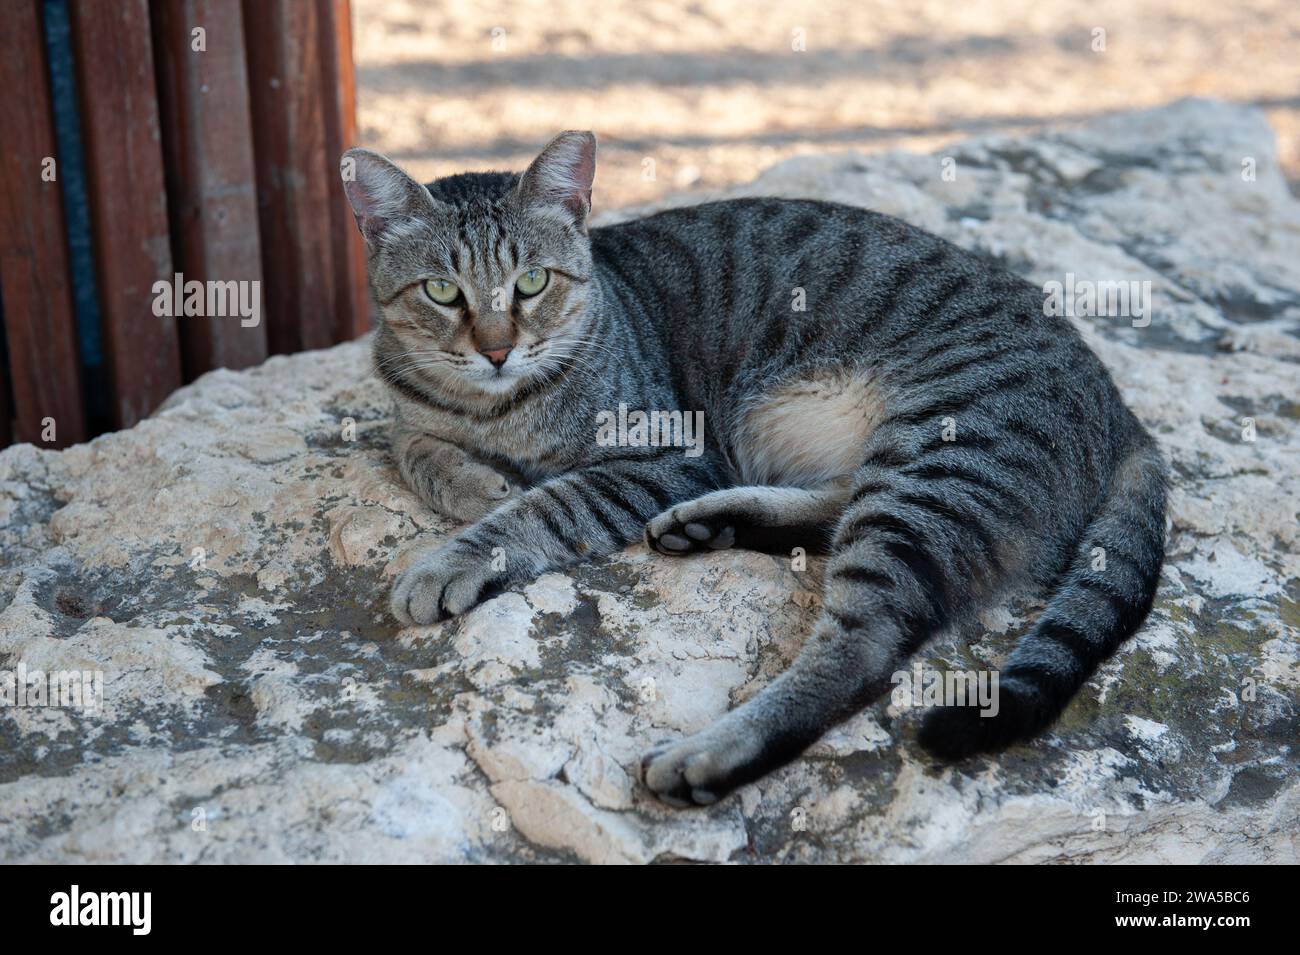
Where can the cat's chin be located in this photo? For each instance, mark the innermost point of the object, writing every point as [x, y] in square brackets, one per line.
[496, 384]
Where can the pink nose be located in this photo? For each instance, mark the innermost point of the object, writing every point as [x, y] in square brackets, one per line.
[497, 356]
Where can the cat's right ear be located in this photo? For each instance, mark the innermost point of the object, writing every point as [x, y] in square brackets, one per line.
[380, 193]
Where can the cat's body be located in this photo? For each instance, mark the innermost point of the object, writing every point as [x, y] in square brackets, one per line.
[867, 389]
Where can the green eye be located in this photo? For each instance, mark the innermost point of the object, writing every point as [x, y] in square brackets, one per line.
[532, 281]
[442, 291]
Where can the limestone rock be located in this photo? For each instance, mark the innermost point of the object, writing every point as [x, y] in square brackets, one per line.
[225, 565]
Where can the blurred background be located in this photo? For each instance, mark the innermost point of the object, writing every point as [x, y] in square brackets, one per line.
[180, 144]
[715, 91]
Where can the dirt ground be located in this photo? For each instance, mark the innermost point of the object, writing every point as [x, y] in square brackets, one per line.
[702, 95]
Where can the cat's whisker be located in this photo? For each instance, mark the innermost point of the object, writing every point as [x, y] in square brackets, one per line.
[575, 344]
[416, 365]
[438, 354]
[561, 361]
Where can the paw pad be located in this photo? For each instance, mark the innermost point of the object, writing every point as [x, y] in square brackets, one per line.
[669, 535]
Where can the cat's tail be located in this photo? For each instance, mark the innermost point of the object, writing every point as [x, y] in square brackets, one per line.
[1100, 601]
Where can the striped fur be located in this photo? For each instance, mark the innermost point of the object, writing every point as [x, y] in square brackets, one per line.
[921, 419]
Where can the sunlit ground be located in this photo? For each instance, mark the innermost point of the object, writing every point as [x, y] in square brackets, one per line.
[713, 92]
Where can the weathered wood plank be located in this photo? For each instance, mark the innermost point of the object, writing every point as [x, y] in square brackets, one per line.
[127, 196]
[211, 177]
[6, 412]
[40, 329]
[352, 305]
[294, 190]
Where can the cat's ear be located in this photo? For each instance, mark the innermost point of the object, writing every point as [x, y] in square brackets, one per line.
[380, 193]
[561, 175]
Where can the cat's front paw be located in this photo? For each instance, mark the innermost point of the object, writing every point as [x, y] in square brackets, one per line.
[475, 490]
[701, 769]
[441, 584]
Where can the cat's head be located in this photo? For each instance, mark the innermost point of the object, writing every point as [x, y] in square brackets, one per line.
[483, 279]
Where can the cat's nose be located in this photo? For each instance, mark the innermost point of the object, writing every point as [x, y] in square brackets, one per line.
[497, 356]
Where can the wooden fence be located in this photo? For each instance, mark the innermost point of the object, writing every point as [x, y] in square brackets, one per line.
[145, 139]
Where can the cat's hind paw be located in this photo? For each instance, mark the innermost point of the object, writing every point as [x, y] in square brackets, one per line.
[774, 520]
[675, 533]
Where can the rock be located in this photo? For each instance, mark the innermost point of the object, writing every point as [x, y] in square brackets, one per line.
[225, 564]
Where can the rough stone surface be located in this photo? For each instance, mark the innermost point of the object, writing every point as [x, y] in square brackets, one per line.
[225, 564]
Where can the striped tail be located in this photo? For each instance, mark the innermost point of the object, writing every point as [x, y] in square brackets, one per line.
[1101, 600]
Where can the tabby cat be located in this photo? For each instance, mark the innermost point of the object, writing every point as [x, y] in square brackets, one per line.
[868, 390]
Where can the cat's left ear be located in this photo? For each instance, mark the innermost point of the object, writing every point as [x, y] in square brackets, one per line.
[562, 174]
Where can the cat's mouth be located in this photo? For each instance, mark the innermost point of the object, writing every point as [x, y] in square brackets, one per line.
[492, 380]
[508, 375]
[543, 358]
[522, 362]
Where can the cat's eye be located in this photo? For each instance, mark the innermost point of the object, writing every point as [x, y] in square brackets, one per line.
[532, 282]
[442, 291]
